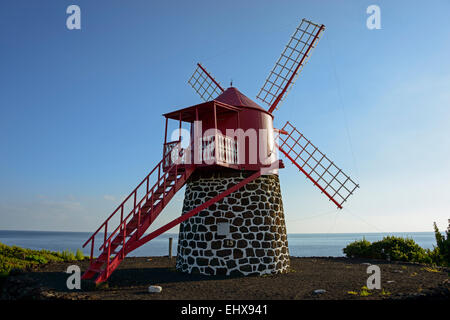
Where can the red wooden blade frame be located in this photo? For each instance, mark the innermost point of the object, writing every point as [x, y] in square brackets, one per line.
[204, 84]
[334, 183]
[291, 61]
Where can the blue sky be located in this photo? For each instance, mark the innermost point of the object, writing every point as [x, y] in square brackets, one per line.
[80, 110]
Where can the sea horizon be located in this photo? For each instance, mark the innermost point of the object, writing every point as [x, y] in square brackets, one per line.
[300, 244]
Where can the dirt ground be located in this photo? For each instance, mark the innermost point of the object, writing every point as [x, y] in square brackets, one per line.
[341, 278]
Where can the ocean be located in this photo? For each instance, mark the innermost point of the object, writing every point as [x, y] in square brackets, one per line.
[300, 244]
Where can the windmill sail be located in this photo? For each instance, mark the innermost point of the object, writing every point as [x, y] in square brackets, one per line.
[290, 63]
[317, 167]
[204, 84]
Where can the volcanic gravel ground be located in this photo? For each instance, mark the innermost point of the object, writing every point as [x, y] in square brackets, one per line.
[341, 278]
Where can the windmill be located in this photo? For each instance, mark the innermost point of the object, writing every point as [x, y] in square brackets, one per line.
[232, 220]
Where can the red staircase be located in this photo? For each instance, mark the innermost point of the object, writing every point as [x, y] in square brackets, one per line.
[170, 177]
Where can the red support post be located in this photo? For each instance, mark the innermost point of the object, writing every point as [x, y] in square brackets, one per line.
[92, 249]
[124, 235]
[109, 258]
[106, 231]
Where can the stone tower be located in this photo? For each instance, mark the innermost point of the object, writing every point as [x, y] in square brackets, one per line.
[243, 234]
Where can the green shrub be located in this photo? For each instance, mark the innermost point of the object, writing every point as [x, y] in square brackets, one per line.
[79, 255]
[441, 253]
[67, 255]
[358, 249]
[36, 258]
[390, 247]
[399, 249]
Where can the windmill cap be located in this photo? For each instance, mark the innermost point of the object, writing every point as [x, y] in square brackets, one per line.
[234, 97]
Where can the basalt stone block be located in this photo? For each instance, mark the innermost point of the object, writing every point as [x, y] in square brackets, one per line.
[214, 262]
[242, 244]
[202, 244]
[223, 253]
[210, 220]
[254, 243]
[202, 261]
[266, 244]
[236, 235]
[229, 215]
[216, 245]
[221, 271]
[262, 267]
[260, 253]
[249, 236]
[208, 253]
[257, 221]
[267, 261]
[246, 268]
[243, 229]
[231, 264]
[248, 215]
[237, 254]
[238, 221]
[208, 236]
[209, 271]
[268, 236]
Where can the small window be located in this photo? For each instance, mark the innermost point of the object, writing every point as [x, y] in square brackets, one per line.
[223, 228]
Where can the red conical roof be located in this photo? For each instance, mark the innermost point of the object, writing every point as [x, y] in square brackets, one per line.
[234, 97]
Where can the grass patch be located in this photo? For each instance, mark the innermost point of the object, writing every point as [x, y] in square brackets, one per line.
[364, 292]
[430, 269]
[16, 258]
[385, 293]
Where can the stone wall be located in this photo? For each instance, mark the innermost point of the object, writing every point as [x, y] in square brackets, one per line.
[244, 233]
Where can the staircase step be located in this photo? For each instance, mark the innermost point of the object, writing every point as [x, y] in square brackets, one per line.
[97, 270]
